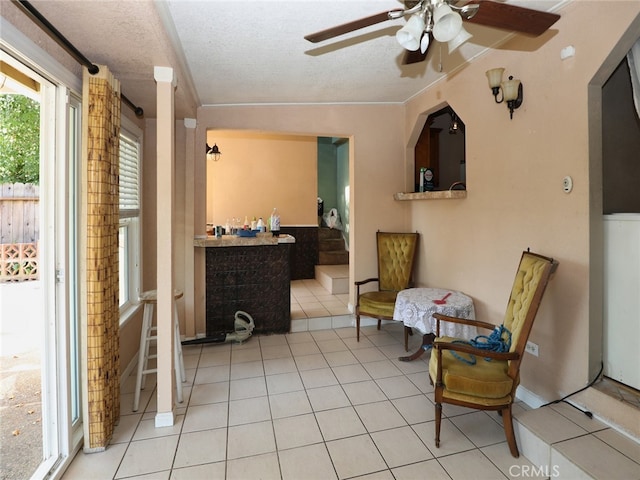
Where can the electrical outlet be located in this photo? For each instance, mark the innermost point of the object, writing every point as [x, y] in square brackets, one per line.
[532, 348]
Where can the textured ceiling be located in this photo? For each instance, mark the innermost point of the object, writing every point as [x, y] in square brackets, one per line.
[254, 52]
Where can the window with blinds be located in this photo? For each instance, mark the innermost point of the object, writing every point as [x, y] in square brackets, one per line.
[129, 238]
[129, 178]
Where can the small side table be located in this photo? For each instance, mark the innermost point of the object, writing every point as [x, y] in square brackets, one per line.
[415, 308]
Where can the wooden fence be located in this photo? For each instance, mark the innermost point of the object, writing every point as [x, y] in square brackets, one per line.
[19, 231]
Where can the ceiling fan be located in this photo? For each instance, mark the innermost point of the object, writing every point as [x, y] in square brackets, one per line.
[442, 20]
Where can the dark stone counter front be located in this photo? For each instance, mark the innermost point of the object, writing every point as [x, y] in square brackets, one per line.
[254, 279]
[304, 252]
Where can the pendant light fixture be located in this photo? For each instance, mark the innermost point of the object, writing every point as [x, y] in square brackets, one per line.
[213, 153]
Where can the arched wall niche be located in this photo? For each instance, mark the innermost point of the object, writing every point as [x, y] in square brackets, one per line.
[437, 142]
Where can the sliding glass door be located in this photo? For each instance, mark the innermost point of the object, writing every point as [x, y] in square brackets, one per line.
[40, 415]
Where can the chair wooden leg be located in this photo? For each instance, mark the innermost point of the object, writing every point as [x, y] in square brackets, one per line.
[508, 430]
[358, 327]
[438, 421]
[379, 323]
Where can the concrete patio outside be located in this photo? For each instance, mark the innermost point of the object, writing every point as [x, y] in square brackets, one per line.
[21, 329]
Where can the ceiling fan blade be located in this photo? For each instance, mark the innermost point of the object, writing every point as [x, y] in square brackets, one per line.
[511, 17]
[350, 26]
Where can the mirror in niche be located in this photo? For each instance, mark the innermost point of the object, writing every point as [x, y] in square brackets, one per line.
[440, 151]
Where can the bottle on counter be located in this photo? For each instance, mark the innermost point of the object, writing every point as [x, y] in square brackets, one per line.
[260, 225]
[254, 224]
[275, 222]
[227, 228]
[245, 225]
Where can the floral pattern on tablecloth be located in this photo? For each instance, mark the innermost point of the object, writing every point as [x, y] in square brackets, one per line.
[415, 308]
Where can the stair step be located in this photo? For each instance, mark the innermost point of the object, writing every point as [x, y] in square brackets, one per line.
[561, 441]
[333, 258]
[331, 244]
[324, 233]
[335, 278]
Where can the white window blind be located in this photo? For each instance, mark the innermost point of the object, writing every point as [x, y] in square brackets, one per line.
[129, 181]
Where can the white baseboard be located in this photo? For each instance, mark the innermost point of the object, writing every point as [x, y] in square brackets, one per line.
[530, 398]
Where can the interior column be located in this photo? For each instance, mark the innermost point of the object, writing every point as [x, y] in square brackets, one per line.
[165, 158]
[189, 229]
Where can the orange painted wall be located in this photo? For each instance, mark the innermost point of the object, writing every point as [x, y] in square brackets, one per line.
[259, 171]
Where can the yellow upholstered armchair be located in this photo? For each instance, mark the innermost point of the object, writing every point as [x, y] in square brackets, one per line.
[484, 373]
[396, 256]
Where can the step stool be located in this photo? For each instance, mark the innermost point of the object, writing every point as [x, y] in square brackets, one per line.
[149, 334]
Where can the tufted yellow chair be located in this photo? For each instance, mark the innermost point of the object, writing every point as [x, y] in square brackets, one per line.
[490, 385]
[396, 255]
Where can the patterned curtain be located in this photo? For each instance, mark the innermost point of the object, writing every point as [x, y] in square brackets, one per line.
[101, 132]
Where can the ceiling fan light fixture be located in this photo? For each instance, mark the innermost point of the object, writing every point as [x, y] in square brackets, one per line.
[424, 43]
[410, 35]
[443, 20]
[462, 37]
[446, 23]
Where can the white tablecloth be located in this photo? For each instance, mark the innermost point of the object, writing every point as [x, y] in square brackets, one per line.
[415, 307]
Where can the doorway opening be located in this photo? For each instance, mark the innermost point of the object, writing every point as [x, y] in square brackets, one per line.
[258, 171]
[607, 161]
[621, 218]
[332, 267]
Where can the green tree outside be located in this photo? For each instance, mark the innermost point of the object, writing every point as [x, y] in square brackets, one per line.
[19, 139]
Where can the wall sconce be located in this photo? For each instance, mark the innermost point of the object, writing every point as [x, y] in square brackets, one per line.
[511, 89]
[213, 153]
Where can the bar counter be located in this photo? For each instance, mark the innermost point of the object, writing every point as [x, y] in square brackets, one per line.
[236, 241]
[251, 274]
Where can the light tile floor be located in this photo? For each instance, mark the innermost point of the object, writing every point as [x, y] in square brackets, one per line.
[320, 405]
[308, 405]
[309, 299]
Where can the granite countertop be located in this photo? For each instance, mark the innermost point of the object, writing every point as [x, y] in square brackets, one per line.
[235, 241]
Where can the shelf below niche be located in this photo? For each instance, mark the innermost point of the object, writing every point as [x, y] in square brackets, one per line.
[435, 195]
